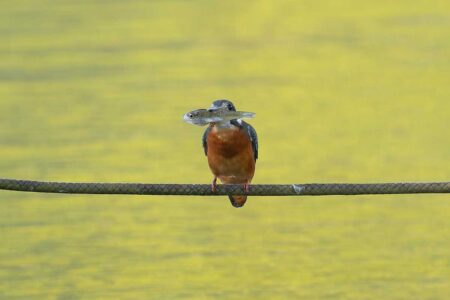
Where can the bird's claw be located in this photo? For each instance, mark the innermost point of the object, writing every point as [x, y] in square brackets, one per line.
[214, 185]
[247, 187]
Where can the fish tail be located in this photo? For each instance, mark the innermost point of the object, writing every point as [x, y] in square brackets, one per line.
[245, 114]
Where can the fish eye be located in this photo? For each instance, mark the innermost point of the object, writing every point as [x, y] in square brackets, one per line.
[190, 116]
[230, 106]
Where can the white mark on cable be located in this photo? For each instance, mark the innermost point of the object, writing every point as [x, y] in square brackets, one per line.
[297, 188]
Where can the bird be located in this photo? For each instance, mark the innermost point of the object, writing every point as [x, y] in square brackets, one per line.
[232, 150]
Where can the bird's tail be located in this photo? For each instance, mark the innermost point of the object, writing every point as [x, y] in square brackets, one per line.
[237, 201]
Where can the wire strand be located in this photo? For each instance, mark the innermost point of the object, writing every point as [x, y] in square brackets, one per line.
[312, 189]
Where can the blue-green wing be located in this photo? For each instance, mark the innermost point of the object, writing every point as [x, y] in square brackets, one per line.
[204, 142]
[251, 132]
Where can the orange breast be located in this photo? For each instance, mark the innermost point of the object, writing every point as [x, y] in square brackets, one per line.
[230, 155]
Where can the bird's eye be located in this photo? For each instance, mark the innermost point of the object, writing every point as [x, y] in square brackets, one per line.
[190, 116]
[230, 106]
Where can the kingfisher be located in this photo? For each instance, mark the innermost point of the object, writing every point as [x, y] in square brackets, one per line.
[231, 147]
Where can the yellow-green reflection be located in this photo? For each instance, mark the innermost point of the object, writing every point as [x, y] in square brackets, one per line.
[345, 91]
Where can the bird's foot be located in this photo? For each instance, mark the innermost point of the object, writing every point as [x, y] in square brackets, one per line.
[214, 185]
[247, 187]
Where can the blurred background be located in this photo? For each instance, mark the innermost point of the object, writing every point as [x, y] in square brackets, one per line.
[344, 91]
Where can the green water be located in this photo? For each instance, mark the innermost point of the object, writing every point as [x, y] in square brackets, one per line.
[346, 91]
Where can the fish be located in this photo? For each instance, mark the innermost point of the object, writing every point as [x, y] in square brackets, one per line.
[202, 117]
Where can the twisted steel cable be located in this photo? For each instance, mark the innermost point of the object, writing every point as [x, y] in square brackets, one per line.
[313, 189]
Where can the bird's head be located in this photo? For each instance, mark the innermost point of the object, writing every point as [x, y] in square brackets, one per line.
[223, 104]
